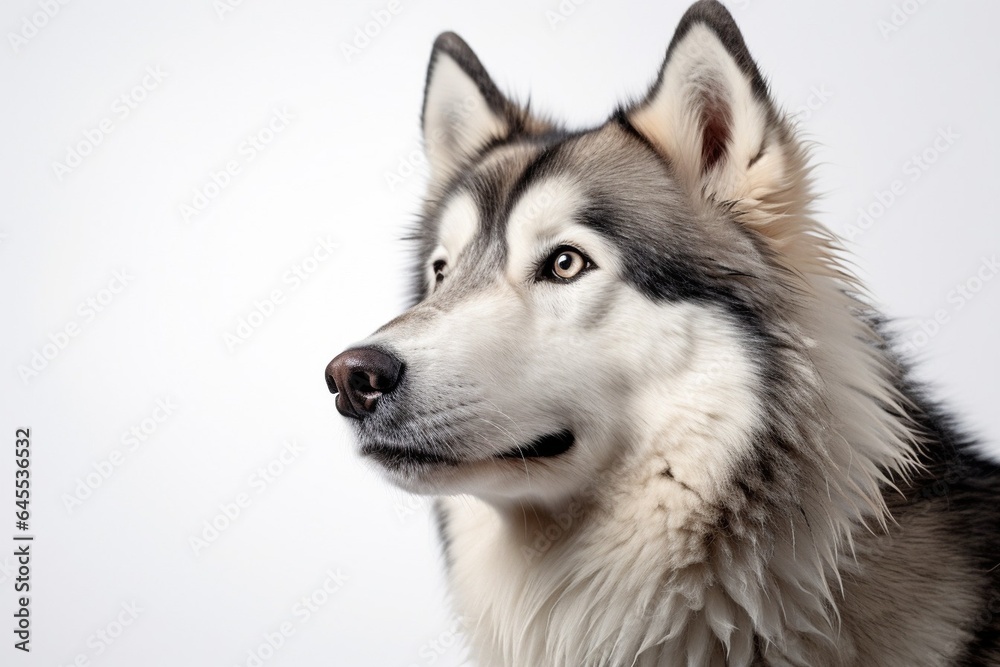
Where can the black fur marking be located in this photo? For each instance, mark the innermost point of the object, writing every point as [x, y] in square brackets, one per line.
[535, 169]
[663, 272]
[964, 486]
[984, 649]
[518, 134]
[490, 196]
[764, 479]
[759, 646]
[498, 216]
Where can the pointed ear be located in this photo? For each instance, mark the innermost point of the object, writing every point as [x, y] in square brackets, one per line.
[709, 112]
[463, 108]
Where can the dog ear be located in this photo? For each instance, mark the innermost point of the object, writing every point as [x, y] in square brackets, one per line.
[463, 109]
[709, 112]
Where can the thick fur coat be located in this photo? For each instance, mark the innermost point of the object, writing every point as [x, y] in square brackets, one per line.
[665, 424]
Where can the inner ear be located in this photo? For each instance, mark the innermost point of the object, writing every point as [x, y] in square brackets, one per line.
[716, 126]
[709, 112]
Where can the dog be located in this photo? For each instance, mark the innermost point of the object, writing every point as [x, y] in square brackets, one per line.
[662, 421]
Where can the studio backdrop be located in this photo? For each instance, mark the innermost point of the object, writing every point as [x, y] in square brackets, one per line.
[205, 200]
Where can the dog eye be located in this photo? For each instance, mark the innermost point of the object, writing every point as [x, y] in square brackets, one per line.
[565, 264]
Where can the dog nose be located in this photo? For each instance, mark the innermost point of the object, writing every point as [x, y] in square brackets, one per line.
[360, 376]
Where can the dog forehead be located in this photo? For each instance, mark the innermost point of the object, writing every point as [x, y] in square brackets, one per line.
[546, 208]
[474, 205]
[517, 196]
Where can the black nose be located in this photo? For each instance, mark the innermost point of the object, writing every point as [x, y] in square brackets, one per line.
[360, 376]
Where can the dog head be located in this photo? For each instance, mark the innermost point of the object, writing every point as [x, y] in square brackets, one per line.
[584, 294]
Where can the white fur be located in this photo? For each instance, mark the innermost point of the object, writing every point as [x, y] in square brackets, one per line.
[459, 223]
[569, 583]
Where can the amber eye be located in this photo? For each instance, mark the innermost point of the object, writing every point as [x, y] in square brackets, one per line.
[565, 264]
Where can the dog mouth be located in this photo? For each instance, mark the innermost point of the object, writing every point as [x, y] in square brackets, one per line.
[397, 456]
[546, 446]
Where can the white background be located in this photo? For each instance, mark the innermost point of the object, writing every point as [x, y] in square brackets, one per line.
[324, 175]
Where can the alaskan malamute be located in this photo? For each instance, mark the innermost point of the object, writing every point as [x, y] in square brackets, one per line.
[665, 425]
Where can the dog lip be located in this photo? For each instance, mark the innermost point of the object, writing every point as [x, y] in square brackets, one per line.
[395, 455]
[547, 446]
